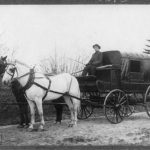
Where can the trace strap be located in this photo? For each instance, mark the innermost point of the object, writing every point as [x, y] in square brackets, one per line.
[44, 88]
[48, 90]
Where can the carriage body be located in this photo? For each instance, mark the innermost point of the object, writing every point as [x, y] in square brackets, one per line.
[128, 73]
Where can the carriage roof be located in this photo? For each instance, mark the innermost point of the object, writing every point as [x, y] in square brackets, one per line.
[137, 64]
[135, 56]
[116, 57]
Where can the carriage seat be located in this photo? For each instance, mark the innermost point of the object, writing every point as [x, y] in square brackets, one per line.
[110, 66]
[86, 78]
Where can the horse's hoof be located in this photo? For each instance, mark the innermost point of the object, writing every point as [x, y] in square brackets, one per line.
[20, 126]
[30, 129]
[41, 130]
[70, 125]
[26, 126]
[57, 122]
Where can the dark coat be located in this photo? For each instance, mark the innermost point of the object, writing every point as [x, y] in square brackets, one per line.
[96, 59]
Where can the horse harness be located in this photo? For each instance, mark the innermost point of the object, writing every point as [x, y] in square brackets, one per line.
[31, 82]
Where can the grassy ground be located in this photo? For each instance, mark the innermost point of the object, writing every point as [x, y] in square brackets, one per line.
[134, 130]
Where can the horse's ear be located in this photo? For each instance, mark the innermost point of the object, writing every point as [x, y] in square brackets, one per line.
[4, 58]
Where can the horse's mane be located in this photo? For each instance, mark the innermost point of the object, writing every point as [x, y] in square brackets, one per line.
[22, 63]
[19, 62]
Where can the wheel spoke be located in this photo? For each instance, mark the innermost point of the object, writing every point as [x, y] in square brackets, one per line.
[111, 102]
[109, 106]
[81, 113]
[121, 113]
[111, 111]
[121, 117]
[116, 118]
[119, 97]
[115, 98]
[123, 102]
[86, 108]
[85, 112]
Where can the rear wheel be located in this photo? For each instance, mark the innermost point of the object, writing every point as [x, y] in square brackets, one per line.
[147, 101]
[116, 106]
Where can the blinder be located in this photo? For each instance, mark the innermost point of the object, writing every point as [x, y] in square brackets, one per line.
[12, 71]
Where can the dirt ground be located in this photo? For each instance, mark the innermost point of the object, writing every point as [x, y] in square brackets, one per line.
[93, 131]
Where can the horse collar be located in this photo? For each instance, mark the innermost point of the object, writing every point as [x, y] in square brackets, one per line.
[30, 80]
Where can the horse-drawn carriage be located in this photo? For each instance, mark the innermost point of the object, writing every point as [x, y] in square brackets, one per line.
[115, 87]
[122, 81]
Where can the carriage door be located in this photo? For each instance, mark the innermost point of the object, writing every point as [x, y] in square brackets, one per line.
[115, 78]
[135, 75]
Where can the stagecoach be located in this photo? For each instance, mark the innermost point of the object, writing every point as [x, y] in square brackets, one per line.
[122, 82]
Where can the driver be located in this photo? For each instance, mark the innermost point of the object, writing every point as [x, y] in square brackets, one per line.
[95, 61]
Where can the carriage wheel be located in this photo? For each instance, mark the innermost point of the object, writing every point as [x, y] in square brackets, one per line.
[86, 110]
[147, 101]
[116, 106]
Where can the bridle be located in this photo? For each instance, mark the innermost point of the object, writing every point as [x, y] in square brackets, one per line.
[13, 70]
[31, 78]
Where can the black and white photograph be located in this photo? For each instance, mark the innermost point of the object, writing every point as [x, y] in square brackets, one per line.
[75, 75]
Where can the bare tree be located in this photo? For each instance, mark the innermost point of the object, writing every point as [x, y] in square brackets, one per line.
[59, 64]
[147, 49]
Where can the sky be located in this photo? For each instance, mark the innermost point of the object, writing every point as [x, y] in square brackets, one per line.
[38, 31]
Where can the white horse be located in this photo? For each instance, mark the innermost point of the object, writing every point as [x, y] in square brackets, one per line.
[40, 87]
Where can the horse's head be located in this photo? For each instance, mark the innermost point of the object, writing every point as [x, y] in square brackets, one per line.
[9, 74]
[3, 64]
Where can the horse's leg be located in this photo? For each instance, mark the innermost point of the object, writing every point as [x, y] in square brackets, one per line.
[74, 90]
[27, 120]
[40, 111]
[70, 105]
[32, 112]
[25, 109]
[75, 110]
[16, 94]
[22, 117]
[25, 114]
[59, 109]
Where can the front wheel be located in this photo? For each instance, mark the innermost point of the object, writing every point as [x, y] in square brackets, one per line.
[116, 106]
[86, 110]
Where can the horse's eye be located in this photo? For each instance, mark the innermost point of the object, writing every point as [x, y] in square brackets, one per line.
[12, 70]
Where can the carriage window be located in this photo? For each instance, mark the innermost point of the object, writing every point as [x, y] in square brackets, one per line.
[135, 66]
